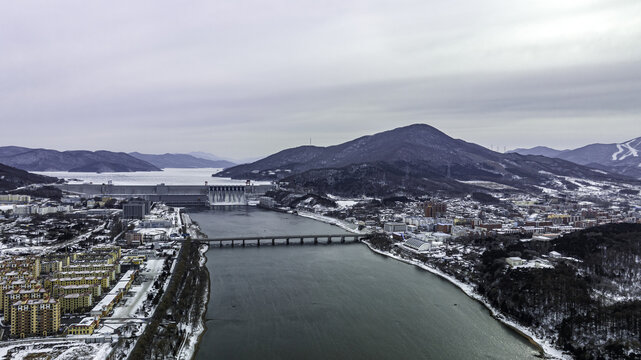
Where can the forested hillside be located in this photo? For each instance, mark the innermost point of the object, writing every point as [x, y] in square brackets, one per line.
[591, 298]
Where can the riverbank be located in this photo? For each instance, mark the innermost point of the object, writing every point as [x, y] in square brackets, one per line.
[197, 328]
[548, 350]
[195, 331]
[329, 220]
[175, 325]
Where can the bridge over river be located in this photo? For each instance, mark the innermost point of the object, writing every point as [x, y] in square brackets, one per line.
[176, 195]
[283, 240]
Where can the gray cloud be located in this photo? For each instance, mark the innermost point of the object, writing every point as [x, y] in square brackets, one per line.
[246, 78]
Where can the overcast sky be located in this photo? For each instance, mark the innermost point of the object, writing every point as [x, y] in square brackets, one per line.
[246, 78]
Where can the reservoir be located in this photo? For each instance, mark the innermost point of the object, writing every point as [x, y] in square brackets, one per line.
[338, 301]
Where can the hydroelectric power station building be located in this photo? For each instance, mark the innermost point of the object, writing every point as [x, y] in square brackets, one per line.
[175, 195]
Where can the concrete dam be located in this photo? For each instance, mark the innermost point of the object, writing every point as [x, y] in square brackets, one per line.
[175, 195]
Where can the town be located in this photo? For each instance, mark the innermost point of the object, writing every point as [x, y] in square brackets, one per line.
[85, 274]
[89, 271]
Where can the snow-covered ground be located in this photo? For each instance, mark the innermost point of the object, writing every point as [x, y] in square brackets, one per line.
[129, 305]
[346, 203]
[488, 184]
[329, 220]
[57, 349]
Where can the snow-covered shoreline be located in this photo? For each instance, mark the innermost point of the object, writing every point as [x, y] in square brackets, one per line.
[192, 341]
[328, 220]
[549, 350]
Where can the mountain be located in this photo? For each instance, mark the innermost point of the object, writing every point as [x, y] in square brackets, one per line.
[622, 158]
[181, 161]
[411, 159]
[205, 155]
[11, 178]
[75, 161]
[208, 156]
[538, 150]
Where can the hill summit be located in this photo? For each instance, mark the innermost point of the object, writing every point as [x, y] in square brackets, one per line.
[414, 159]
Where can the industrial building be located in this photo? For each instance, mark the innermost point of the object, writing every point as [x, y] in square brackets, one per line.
[135, 209]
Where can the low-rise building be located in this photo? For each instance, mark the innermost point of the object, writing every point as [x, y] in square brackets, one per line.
[134, 238]
[14, 198]
[86, 326]
[418, 245]
[395, 227]
[107, 303]
[515, 261]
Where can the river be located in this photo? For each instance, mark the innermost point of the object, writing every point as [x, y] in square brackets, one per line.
[338, 301]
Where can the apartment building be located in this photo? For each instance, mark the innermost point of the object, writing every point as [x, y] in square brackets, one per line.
[35, 317]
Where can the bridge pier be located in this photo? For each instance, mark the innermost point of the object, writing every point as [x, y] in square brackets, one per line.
[329, 239]
[243, 242]
[342, 239]
[257, 242]
[301, 241]
[315, 240]
[232, 243]
[273, 242]
[287, 241]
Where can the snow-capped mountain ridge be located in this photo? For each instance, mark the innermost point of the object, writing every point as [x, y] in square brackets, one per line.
[627, 149]
[414, 158]
[622, 158]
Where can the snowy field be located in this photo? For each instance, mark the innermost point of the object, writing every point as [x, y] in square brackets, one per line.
[56, 350]
[488, 184]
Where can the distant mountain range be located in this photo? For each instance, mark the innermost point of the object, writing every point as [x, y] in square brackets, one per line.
[208, 156]
[11, 178]
[99, 161]
[622, 158]
[181, 161]
[539, 150]
[411, 159]
[75, 161]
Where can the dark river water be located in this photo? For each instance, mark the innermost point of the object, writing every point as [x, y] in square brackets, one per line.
[336, 301]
